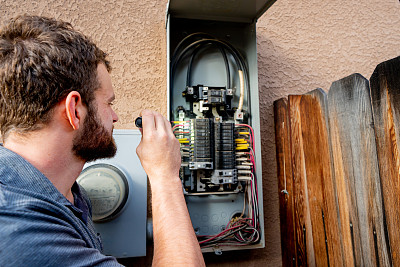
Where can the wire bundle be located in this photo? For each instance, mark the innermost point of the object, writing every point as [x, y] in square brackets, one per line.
[195, 42]
[241, 230]
[192, 44]
[182, 133]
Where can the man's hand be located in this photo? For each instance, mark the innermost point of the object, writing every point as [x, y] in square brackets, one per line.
[159, 149]
[175, 243]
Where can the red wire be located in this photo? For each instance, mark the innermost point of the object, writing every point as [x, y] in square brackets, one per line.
[178, 125]
[226, 230]
[235, 226]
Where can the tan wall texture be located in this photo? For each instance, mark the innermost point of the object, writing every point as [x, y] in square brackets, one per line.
[302, 45]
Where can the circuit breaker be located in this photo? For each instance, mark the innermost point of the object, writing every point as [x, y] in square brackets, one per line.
[214, 112]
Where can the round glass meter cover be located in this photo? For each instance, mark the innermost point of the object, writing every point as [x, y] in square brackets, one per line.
[107, 189]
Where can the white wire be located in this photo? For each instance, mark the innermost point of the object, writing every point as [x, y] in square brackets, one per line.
[241, 80]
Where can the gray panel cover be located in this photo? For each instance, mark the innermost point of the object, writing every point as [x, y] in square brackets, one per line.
[225, 10]
[125, 236]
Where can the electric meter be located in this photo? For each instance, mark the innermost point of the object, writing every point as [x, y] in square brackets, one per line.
[107, 189]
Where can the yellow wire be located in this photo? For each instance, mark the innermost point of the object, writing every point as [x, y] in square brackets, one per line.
[243, 145]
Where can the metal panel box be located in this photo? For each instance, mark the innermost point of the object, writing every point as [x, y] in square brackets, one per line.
[123, 235]
[207, 71]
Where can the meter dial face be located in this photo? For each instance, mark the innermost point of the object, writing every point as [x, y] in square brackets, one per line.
[107, 188]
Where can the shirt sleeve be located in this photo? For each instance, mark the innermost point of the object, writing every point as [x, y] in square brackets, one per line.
[41, 239]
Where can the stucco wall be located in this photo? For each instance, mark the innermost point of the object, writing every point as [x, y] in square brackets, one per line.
[301, 45]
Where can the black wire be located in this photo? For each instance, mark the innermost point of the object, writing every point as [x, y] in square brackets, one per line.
[189, 69]
[209, 37]
[240, 62]
[188, 37]
[235, 54]
[228, 71]
[190, 65]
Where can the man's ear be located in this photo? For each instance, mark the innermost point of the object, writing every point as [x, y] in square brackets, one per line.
[74, 109]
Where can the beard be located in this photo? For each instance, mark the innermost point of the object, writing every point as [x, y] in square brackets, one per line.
[93, 141]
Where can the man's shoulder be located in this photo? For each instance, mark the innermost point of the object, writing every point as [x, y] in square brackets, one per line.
[41, 234]
[33, 226]
[23, 183]
[20, 208]
[20, 199]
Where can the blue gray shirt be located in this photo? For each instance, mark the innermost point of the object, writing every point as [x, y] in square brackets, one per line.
[38, 225]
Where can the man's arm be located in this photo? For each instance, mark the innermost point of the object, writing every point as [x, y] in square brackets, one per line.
[174, 240]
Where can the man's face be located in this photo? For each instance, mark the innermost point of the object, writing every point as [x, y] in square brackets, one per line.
[95, 140]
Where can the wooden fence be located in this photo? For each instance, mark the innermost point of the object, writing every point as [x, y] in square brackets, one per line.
[338, 158]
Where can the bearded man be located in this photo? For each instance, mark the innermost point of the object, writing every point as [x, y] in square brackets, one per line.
[56, 114]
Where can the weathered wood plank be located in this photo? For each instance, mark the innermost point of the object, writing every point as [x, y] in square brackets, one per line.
[285, 183]
[320, 180]
[356, 173]
[303, 230]
[385, 94]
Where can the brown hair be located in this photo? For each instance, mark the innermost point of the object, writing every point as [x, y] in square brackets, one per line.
[41, 61]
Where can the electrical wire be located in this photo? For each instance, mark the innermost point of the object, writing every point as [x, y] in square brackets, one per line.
[241, 97]
[227, 69]
[241, 231]
[194, 42]
[189, 69]
[190, 65]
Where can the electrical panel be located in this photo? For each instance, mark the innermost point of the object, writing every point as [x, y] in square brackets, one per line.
[213, 108]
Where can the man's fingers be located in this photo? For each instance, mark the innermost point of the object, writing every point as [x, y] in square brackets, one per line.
[160, 122]
[154, 122]
[148, 122]
[168, 127]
